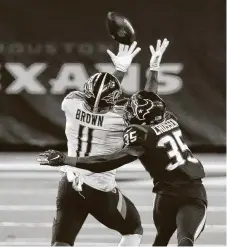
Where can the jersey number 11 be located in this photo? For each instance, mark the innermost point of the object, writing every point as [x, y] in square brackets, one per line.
[89, 140]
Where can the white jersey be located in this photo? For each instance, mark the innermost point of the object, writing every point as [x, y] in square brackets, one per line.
[92, 134]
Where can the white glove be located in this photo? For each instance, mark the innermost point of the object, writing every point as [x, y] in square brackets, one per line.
[124, 57]
[156, 55]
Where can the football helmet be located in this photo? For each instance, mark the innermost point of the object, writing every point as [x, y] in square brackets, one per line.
[101, 91]
[144, 108]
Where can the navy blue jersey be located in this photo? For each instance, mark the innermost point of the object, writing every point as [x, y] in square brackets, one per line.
[166, 156]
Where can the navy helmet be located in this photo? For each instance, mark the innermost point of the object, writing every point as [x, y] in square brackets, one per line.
[144, 108]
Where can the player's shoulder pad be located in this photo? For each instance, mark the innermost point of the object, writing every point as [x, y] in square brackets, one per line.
[75, 95]
[169, 115]
[137, 127]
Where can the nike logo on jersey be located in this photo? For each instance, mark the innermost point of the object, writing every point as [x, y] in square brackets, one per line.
[58, 156]
[89, 118]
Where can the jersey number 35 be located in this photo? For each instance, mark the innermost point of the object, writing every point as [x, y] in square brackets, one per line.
[130, 137]
[177, 148]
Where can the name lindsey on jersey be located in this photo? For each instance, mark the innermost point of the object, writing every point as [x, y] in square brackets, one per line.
[163, 127]
[89, 118]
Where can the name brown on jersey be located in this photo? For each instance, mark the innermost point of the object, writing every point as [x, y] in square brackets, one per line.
[89, 118]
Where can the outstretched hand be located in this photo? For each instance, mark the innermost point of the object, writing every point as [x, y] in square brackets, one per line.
[156, 54]
[123, 59]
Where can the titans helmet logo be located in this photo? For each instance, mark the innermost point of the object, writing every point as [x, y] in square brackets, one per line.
[112, 97]
[141, 110]
[88, 90]
[89, 86]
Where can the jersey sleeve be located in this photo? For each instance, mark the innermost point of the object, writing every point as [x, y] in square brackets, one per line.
[102, 163]
[75, 95]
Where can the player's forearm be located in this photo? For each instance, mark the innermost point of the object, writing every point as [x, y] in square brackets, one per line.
[119, 75]
[152, 82]
[101, 163]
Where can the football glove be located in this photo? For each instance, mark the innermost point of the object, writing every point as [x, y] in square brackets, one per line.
[51, 158]
[123, 59]
[156, 55]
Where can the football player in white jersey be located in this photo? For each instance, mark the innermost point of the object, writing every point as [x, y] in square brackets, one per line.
[94, 125]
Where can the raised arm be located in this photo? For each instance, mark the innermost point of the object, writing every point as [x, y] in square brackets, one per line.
[156, 56]
[119, 75]
[152, 82]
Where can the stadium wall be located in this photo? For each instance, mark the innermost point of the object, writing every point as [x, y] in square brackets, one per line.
[48, 48]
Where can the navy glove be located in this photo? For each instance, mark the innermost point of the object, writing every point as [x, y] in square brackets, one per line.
[51, 158]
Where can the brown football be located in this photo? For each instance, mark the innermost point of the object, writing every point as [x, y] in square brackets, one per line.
[120, 28]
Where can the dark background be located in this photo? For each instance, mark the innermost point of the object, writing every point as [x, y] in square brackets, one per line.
[196, 30]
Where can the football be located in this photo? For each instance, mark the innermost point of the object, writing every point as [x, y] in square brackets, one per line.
[120, 28]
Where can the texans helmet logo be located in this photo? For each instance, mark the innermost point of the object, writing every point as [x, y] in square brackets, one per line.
[141, 110]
